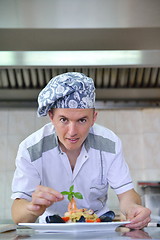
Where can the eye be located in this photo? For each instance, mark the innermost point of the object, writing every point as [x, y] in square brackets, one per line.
[63, 120]
[82, 120]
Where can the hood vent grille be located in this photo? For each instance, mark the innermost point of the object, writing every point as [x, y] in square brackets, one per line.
[37, 78]
[115, 87]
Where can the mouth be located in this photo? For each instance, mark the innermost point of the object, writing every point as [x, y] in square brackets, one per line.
[73, 140]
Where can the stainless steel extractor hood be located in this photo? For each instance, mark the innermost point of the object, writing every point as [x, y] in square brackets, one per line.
[117, 43]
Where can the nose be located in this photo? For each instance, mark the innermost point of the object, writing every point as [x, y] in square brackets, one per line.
[72, 129]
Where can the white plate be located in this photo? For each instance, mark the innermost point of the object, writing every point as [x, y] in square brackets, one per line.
[74, 227]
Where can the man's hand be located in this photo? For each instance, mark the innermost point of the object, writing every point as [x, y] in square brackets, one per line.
[42, 198]
[25, 211]
[130, 204]
[139, 217]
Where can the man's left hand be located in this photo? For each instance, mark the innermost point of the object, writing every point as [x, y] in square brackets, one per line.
[139, 217]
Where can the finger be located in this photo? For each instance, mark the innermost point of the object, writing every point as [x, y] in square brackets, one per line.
[135, 219]
[46, 193]
[43, 199]
[57, 194]
[33, 207]
[139, 224]
[37, 196]
[36, 210]
[140, 218]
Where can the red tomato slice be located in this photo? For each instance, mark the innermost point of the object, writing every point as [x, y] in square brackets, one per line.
[65, 218]
[98, 220]
[90, 220]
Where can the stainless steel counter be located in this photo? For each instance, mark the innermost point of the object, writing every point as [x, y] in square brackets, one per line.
[120, 233]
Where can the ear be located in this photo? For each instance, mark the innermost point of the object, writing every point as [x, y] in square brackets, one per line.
[94, 117]
[50, 114]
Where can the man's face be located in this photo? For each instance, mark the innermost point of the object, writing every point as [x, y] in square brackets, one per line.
[72, 126]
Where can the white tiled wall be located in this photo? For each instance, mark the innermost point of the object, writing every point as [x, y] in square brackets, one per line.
[138, 129]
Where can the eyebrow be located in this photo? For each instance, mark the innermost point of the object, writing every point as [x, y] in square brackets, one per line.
[84, 117]
[67, 117]
[62, 116]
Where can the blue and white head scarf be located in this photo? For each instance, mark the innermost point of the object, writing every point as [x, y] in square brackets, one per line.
[67, 90]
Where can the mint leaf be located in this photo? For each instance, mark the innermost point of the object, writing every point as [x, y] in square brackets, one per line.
[72, 194]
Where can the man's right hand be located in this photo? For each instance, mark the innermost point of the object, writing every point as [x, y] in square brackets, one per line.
[42, 198]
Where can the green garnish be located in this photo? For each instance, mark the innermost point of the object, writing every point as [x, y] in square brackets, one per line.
[72, 194]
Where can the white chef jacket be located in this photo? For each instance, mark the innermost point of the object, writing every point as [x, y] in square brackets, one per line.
[40, 161]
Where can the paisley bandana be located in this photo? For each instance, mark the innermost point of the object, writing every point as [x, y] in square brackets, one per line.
[67, 90]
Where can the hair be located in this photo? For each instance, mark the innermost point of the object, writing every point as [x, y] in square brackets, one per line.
[52, 109]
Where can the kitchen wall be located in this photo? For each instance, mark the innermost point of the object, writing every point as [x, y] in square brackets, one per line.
[139, 130]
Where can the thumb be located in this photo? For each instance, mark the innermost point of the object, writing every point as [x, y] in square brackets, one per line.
[33, 207]
[130, 215]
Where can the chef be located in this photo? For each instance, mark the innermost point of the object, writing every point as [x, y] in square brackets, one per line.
[72, 150]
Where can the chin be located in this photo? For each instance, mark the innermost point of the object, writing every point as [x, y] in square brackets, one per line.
[72, 147]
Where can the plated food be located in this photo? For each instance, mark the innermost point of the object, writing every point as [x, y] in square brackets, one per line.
[79, 215]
